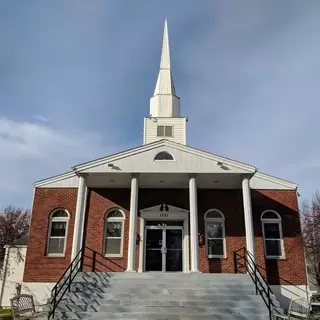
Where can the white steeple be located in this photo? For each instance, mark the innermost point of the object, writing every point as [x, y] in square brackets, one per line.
[164, 102]
[164, 121]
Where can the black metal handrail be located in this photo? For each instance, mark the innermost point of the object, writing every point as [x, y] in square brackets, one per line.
[65, 282]
[244, 259]
[76, 265]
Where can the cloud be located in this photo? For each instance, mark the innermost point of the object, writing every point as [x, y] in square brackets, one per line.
[32, 151]
[40, 118]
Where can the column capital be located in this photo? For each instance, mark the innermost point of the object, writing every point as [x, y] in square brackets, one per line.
[135, 175]
[192, 175]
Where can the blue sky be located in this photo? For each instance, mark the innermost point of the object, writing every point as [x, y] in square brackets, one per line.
[76, 77]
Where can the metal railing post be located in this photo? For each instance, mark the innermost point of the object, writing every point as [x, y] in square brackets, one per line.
[81, 259]
[269, 302]
[94, 261]
[256, 277]
[70, 277]
[235, 262]
[54, 302]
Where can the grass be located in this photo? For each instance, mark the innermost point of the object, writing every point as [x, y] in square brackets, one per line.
[5, 314]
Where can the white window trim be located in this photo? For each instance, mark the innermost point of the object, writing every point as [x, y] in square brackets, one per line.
[164, 131]
[113, 219]
[222, 220]
[279, 221]
[58, 219]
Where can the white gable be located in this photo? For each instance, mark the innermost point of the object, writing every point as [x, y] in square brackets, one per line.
[186, 160]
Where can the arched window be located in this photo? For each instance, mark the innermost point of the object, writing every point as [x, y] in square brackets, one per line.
[215, 234]
[163, 155]
[272, 234]
[57, 232]
[113, 240]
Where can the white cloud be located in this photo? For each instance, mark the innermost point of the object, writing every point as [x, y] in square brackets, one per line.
[32, 151]
[40, 118]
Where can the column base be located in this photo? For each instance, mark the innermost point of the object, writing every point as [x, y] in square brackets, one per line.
[130, 270]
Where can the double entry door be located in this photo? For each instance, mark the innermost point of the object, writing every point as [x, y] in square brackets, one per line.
[163, 248]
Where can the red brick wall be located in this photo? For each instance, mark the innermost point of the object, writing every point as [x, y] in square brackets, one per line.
[38, 266]
[230, 203]
[291, 270]
[99, 201]
[288, 271]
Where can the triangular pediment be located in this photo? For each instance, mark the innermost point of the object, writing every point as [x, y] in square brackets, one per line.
[184, 160]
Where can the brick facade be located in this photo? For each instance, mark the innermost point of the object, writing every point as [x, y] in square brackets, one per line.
[38, 266]
[291, 270]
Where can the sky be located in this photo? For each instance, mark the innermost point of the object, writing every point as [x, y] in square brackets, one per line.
[76, 77]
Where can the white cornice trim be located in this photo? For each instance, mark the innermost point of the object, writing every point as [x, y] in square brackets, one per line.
[56, 178]
[285, 183]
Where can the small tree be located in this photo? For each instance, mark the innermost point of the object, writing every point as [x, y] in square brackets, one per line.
[311, 236]
[14, 224]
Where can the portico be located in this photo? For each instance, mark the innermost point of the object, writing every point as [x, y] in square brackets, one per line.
[114, 175]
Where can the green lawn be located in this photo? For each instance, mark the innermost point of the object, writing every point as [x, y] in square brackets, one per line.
[5, 313]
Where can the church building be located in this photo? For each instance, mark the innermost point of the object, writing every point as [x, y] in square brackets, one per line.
[166, 206]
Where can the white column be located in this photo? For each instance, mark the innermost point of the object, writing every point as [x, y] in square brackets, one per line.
[133, 224]
[79, 217]
[247, 207]
[193, 224]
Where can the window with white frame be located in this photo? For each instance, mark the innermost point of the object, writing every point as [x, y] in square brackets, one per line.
[164, 131]
[272, 234]
[114, 227]
[215, 234]
[57, 233]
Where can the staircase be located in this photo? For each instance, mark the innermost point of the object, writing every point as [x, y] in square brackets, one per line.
[161, 296]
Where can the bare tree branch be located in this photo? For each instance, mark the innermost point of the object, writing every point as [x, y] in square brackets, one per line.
[311, 237]
[14, 225]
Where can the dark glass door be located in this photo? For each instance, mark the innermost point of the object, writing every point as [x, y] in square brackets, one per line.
[173, 250]
[154, 251]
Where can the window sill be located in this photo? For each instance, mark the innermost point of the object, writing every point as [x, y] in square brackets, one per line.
[56, 255]
[216, 257]
[275, 258]
[116, 257]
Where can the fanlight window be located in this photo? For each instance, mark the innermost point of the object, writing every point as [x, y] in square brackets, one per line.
[114, 225]
[58, 230]
[272, 234]
[215, 234]
[163, 156]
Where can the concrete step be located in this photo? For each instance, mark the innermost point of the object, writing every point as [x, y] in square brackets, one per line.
[146, 292]
[152, 316]
[233, 300]
[162, 296]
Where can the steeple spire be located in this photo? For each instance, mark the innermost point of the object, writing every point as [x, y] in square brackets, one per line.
[165, 53]
[164, 102]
